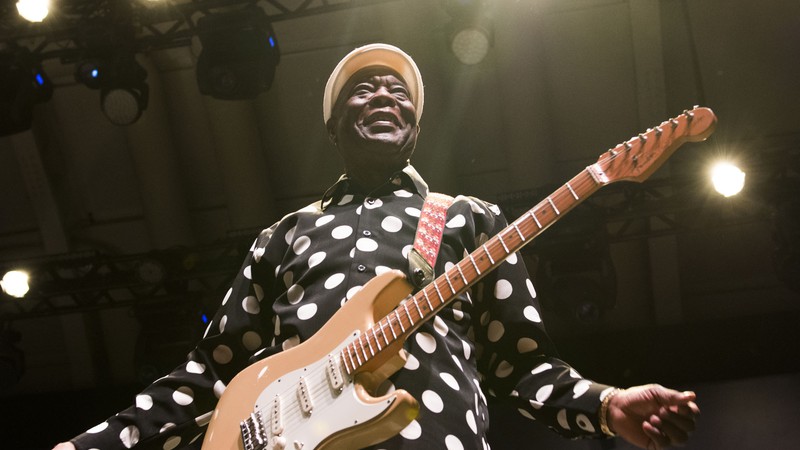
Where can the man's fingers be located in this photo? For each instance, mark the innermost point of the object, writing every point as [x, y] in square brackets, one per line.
[676, 430]
[657, 438]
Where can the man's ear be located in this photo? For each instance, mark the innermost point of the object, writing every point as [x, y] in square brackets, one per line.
[331, 127]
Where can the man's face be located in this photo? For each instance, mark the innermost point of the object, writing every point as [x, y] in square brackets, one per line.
[374, 121]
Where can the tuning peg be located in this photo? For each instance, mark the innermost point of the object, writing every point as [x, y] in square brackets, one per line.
[659, 130]
[689, 114]
[674, 123]
[628, 146]
[642, 138]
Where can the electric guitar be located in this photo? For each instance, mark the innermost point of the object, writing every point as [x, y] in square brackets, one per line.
[318, 395]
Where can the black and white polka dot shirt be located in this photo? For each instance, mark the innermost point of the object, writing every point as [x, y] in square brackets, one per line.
[302, 269]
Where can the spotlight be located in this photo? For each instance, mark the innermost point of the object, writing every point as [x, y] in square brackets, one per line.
[124, 93]
[15, 283]
[470, 41]
[123, 105]
[239, 54]
[33, 10]
[471, 32]
[728, 179]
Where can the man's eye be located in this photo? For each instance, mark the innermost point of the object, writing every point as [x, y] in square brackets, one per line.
[362, 89]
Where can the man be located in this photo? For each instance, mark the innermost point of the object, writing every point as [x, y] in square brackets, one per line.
[302, 269]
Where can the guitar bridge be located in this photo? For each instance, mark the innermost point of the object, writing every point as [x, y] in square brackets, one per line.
[254, 437]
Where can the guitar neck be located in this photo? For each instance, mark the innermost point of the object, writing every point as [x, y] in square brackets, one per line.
[426, 303]
[632, 160]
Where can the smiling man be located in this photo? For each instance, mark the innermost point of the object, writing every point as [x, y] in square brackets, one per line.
[300, 271]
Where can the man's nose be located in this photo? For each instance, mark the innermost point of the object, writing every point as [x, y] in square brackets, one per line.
[382, 97]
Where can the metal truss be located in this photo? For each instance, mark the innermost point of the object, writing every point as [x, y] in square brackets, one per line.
[88, 281]
[78, 27]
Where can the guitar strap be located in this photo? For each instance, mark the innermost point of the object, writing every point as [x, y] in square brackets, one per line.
[432, 218]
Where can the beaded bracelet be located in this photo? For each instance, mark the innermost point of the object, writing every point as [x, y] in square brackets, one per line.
[603, 415]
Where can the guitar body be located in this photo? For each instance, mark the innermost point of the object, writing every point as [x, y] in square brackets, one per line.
[347, 417]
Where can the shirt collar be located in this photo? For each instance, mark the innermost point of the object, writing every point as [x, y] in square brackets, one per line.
[408, 179]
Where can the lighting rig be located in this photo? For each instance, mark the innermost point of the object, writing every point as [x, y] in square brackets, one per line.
[101, 38]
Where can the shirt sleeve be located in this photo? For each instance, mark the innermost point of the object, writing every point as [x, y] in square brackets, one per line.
[517, 359]
[174, 410]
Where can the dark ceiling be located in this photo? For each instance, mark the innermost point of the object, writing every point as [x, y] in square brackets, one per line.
[124, 226]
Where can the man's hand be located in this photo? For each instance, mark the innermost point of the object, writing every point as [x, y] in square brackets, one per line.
[652, 416]
[64, 446]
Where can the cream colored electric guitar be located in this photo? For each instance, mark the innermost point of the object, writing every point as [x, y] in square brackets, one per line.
[318, 395]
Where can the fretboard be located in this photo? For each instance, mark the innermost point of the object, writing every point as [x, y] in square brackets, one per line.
[423, 305]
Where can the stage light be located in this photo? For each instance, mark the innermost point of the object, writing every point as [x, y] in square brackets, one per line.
[87, 72]
[124, 94]
[728, 179]
[33, 10]
[15, 283]
[239, 54]
[22, 84]
[470, 42]
[470, 32]
[123, 105]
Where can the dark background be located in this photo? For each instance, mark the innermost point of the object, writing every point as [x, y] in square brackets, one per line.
[131, 233]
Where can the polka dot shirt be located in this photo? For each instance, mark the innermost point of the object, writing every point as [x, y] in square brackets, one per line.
[488, 341]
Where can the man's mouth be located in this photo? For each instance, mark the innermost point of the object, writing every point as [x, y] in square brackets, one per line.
[382, 118]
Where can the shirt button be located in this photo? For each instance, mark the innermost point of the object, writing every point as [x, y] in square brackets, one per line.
[361, 268]
[367, 233]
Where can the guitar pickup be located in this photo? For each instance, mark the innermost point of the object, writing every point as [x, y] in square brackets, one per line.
[334, 372]
[304, 396]
[276, 422]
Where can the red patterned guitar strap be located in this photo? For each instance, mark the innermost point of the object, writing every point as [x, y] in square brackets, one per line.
[422, 258]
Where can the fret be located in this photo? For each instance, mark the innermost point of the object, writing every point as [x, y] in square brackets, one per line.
[375, 336]
[344, 360]
[400, 322]
[521, 236]
[352, 362]
[364, 350]
[500, 238]
[416, 304]
[572, 191]
[463, 278]
[530, 213]
[449, 283]
[408, 314]
[391, 328]
[358, 358]
[553, 205]
[488, 254]
[436, 287]
[425, 294]
[385, 338]
[473, 264]
[371, 350]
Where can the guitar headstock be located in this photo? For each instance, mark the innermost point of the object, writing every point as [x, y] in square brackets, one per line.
[637, 158]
